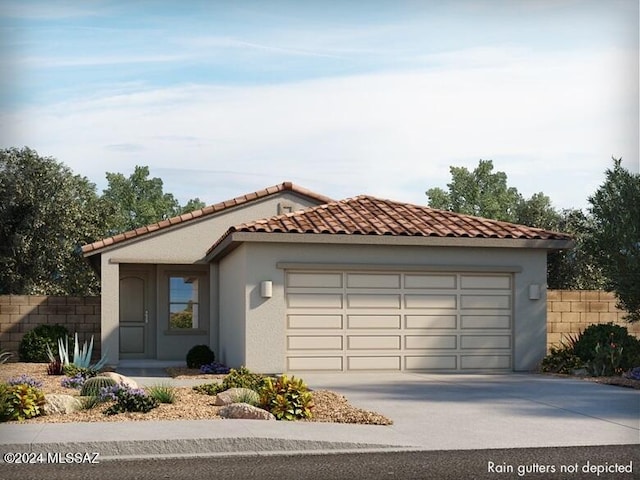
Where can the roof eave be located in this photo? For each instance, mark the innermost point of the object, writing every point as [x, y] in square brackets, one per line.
[231, 240]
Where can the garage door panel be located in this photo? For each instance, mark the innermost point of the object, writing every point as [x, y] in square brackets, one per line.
[430, 342]
[319, 363]
[373, 342]
[430, 321]
[485, 362]
[373, 363]
[314, 342]
[485, 282]
[492, 342]
[391, 321]
[364, 280]
[373, 321]
[424, 282]
[314, 321]
[486, 301]
[431, 362]
[314, 300]
[314, 280]
[373, 301]
[485, 321]
[444, 302]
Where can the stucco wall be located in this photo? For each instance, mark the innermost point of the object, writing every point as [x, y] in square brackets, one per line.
[184, 244]
[265, 324]
[232, 306]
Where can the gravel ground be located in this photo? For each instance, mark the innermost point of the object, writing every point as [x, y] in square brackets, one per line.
[329, 406]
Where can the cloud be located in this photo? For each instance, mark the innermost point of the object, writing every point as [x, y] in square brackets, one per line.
[548, 121]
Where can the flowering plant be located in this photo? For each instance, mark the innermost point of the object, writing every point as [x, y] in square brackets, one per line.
[25, 379]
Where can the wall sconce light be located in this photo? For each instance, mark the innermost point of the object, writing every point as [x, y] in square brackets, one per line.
[266, 289]
[534, 291]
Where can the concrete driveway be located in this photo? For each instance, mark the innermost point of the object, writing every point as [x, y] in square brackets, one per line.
[493, 411]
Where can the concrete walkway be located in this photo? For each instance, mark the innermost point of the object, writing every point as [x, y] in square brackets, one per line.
[430, 412]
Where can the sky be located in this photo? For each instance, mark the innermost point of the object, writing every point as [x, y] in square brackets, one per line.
[222, 98]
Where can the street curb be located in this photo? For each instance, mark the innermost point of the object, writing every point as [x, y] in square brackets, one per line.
[129, 449]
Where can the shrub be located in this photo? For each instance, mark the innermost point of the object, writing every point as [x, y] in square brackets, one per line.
[608, 333]
[248, 396]
[34, 344]
[127, 400]
[92, 386]
[200, 355]
[77, 381]
[4, 402]
[215, 367]
[240, 378]
[633, 374]
[286, 398]
[25, 379]
[72, 370]
[5, 356]
[162, 393]
[22, 401]
[561, 360]
[606, 361]
[55, 368]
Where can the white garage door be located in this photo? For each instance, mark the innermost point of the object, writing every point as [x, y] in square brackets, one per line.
[369, 321]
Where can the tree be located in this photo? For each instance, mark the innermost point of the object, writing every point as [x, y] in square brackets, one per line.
[614, 237]
[486, 194]
[480, 193]
[46, 214]
[139, 200]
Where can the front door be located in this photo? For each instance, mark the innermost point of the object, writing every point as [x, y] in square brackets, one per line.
[136, 317]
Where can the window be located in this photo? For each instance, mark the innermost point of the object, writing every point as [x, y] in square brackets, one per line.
[183, 302]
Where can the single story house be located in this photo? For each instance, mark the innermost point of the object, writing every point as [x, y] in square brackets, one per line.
[285, 279]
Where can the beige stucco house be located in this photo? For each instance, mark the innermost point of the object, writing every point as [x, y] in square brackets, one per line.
[285, 279]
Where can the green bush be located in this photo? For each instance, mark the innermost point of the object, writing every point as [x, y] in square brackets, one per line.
[92, 386]
[561, 360]
[286, 398]
[21, 402]
[128, 400]
[72, 370]
[606, 361]
[240, 378]
[4, 402]
[162, 393]
[608, 333]
[33, 347]
[200, 355]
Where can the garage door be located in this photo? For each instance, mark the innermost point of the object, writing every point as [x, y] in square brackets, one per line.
[375, 321]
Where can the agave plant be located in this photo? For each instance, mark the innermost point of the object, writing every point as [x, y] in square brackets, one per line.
[81, 356]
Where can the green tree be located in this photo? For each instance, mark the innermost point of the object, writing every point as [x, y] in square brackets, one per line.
[139, 200]
[46, 214]
[614, 237]
[483, 193]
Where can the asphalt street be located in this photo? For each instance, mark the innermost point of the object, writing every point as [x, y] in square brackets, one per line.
[599, 462]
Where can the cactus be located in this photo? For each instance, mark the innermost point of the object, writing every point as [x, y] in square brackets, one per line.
[92, 386]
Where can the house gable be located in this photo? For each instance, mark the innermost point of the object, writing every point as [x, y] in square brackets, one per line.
[185, 239]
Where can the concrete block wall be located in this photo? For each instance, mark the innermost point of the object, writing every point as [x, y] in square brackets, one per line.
[569, 312]
[22, 313]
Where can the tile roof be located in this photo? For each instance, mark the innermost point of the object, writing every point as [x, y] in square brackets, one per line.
[203, 212]
[366, 215]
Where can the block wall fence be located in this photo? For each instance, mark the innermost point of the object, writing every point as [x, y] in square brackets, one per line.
[22, 313]
[568, 312]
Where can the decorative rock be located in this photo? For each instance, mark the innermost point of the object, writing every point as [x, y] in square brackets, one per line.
[245, 411]
[233, 395]
[61, 404]
[126, 381]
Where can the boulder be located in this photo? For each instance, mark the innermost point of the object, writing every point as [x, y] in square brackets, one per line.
[235, 395]
[126, 381]
[245, 411]
[55, 403]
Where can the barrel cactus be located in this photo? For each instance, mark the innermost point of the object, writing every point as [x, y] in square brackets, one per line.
[92, 386]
